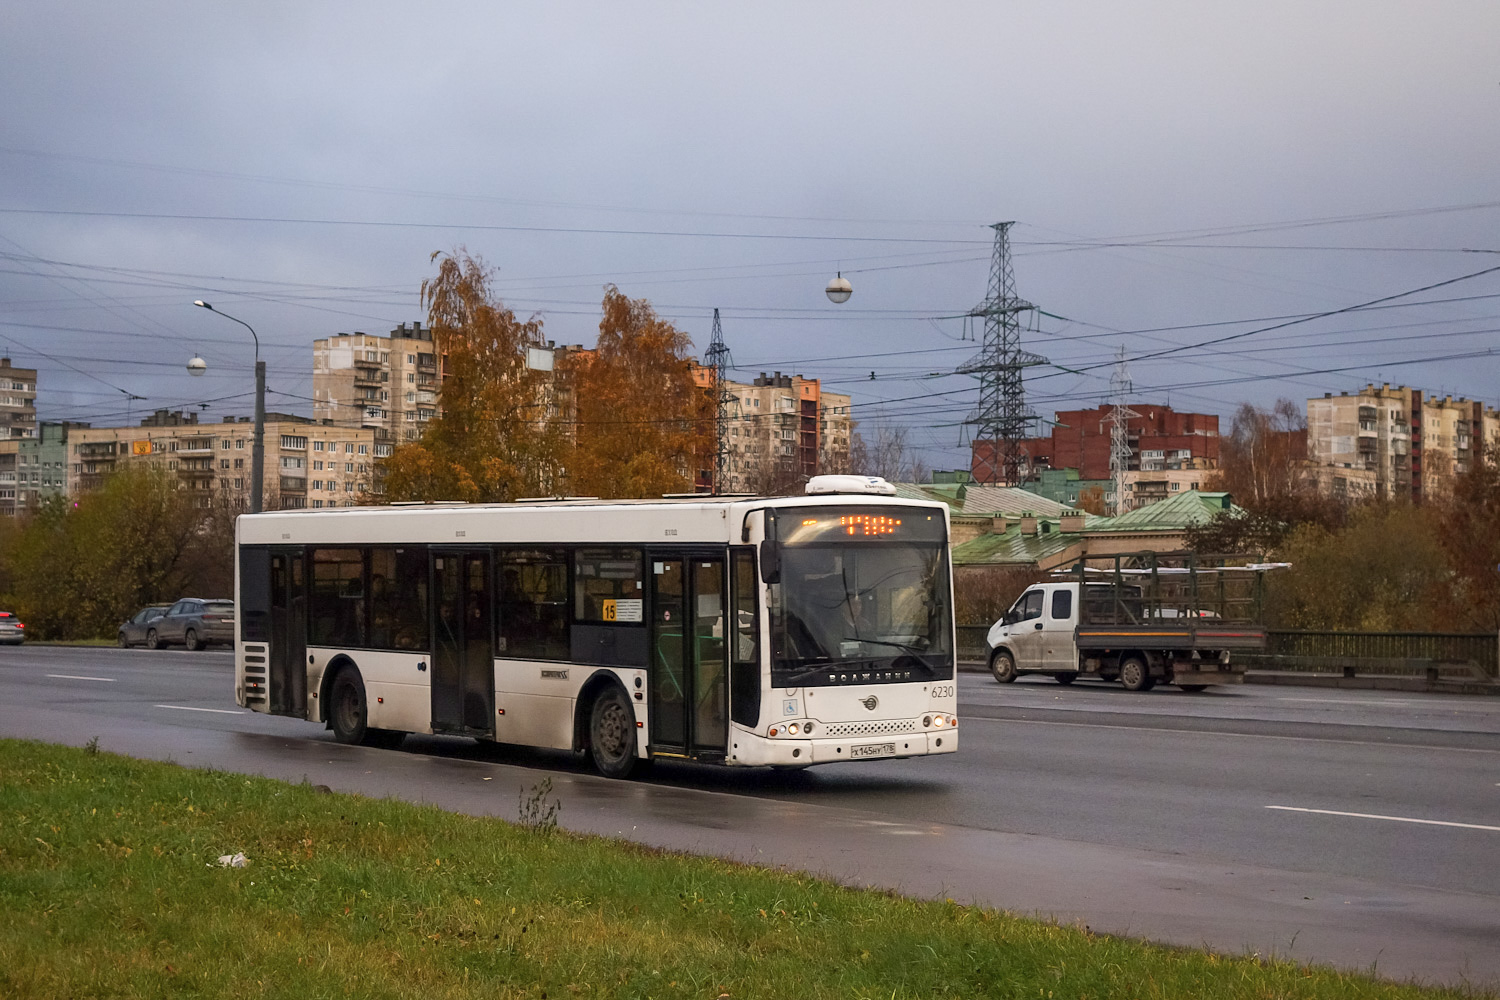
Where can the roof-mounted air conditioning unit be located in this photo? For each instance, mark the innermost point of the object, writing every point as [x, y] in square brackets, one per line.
[868, 485]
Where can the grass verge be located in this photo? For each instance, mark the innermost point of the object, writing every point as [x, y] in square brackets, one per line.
[110, 886]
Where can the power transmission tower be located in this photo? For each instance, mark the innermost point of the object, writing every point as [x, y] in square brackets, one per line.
[719, 362]
[1002, 417]
[1120, 415]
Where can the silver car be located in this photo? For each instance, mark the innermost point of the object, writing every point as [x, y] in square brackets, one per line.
[12, 632]
[193, 622]
[133, 632]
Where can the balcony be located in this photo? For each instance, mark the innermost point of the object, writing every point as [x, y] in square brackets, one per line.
[293, 484]
[368, 377]
[98, 449]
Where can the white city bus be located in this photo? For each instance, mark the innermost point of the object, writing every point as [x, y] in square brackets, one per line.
[785, 632]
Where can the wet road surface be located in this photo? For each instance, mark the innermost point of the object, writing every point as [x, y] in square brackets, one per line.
[1350, 828]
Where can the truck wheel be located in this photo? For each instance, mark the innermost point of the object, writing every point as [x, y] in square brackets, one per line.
[1003, 666]
[1135, 675]
[1193, 688]
[1065, 679]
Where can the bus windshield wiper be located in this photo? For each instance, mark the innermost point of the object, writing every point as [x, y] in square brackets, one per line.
[905, 647]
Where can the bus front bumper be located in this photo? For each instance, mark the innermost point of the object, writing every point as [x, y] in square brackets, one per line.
[758, 751]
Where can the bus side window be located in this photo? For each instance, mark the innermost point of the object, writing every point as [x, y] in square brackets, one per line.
[398, 598]
[744, 669]
[534, 616]
[607, 585]
[338, 598]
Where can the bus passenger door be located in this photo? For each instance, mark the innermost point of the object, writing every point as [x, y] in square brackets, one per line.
[689, 706]
[288, 656]
[463, 652]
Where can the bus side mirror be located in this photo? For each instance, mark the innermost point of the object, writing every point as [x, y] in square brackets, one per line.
[770, 562]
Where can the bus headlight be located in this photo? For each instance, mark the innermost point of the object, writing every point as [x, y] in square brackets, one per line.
[793, 729]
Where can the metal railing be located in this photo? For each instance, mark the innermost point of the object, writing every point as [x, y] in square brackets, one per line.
[1321, 652]
[1479, 648]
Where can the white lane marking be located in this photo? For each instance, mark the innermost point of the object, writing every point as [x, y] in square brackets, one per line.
[189, 708]
[1392, 819]
[79, 677]
[1352, 701]
[1249, 736]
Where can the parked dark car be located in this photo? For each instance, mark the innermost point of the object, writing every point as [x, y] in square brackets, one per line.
[133, 632]
[12, 631]
[193, 622]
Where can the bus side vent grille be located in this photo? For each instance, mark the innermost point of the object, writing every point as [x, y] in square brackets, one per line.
[255, 659]
[870, 728]
[256, 671]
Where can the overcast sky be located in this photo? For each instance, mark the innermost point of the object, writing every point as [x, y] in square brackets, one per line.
[297, 164]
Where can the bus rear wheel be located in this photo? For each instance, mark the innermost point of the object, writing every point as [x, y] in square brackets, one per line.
[347, 710]
[612, 734]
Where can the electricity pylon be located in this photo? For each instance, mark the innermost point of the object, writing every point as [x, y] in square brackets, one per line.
[1002, 416]
[719, 362]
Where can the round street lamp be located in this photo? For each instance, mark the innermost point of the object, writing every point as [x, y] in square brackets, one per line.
[196, 365]
[839, 289]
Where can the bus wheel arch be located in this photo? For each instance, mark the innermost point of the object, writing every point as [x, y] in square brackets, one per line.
[604, 712]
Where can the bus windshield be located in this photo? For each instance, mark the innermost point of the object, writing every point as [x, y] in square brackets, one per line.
[866, 609]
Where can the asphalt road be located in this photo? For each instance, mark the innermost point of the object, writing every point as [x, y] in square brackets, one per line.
[1351, 828]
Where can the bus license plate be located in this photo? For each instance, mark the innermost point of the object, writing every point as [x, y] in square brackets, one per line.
[873, 750]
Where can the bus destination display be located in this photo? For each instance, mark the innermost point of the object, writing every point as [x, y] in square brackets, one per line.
[823, 525]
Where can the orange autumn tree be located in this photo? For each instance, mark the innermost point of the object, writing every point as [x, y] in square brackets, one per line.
[642, 424]
[492, 438]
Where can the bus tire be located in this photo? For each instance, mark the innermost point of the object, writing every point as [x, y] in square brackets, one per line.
[1065, 679]
[1003, 666]
[1193, 688]
[612, 733]
[347, 712]
[1135, 675]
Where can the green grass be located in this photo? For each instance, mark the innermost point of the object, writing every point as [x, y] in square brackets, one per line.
[109, 887]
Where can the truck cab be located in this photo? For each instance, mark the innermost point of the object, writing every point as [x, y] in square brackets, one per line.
[1037, 632]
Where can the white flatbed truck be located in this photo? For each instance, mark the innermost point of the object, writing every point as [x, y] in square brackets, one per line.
[1148, 619]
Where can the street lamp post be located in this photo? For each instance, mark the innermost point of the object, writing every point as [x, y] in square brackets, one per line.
[258, 448]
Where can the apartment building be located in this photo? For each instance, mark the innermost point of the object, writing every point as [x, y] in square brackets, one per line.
[1453, 435]
[41, 466]
[1146, 487]
[1159, 439]
[17, 401]
[307, 463]
[1395, 442]
[782, 430]
[1362, 444]
[366, 380]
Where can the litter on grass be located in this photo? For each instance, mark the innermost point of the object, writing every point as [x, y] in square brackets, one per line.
[233, 861]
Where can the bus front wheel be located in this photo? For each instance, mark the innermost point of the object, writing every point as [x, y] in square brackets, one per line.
[347, 711]
[612, 734]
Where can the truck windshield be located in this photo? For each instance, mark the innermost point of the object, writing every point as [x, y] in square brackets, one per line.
[876, 611]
